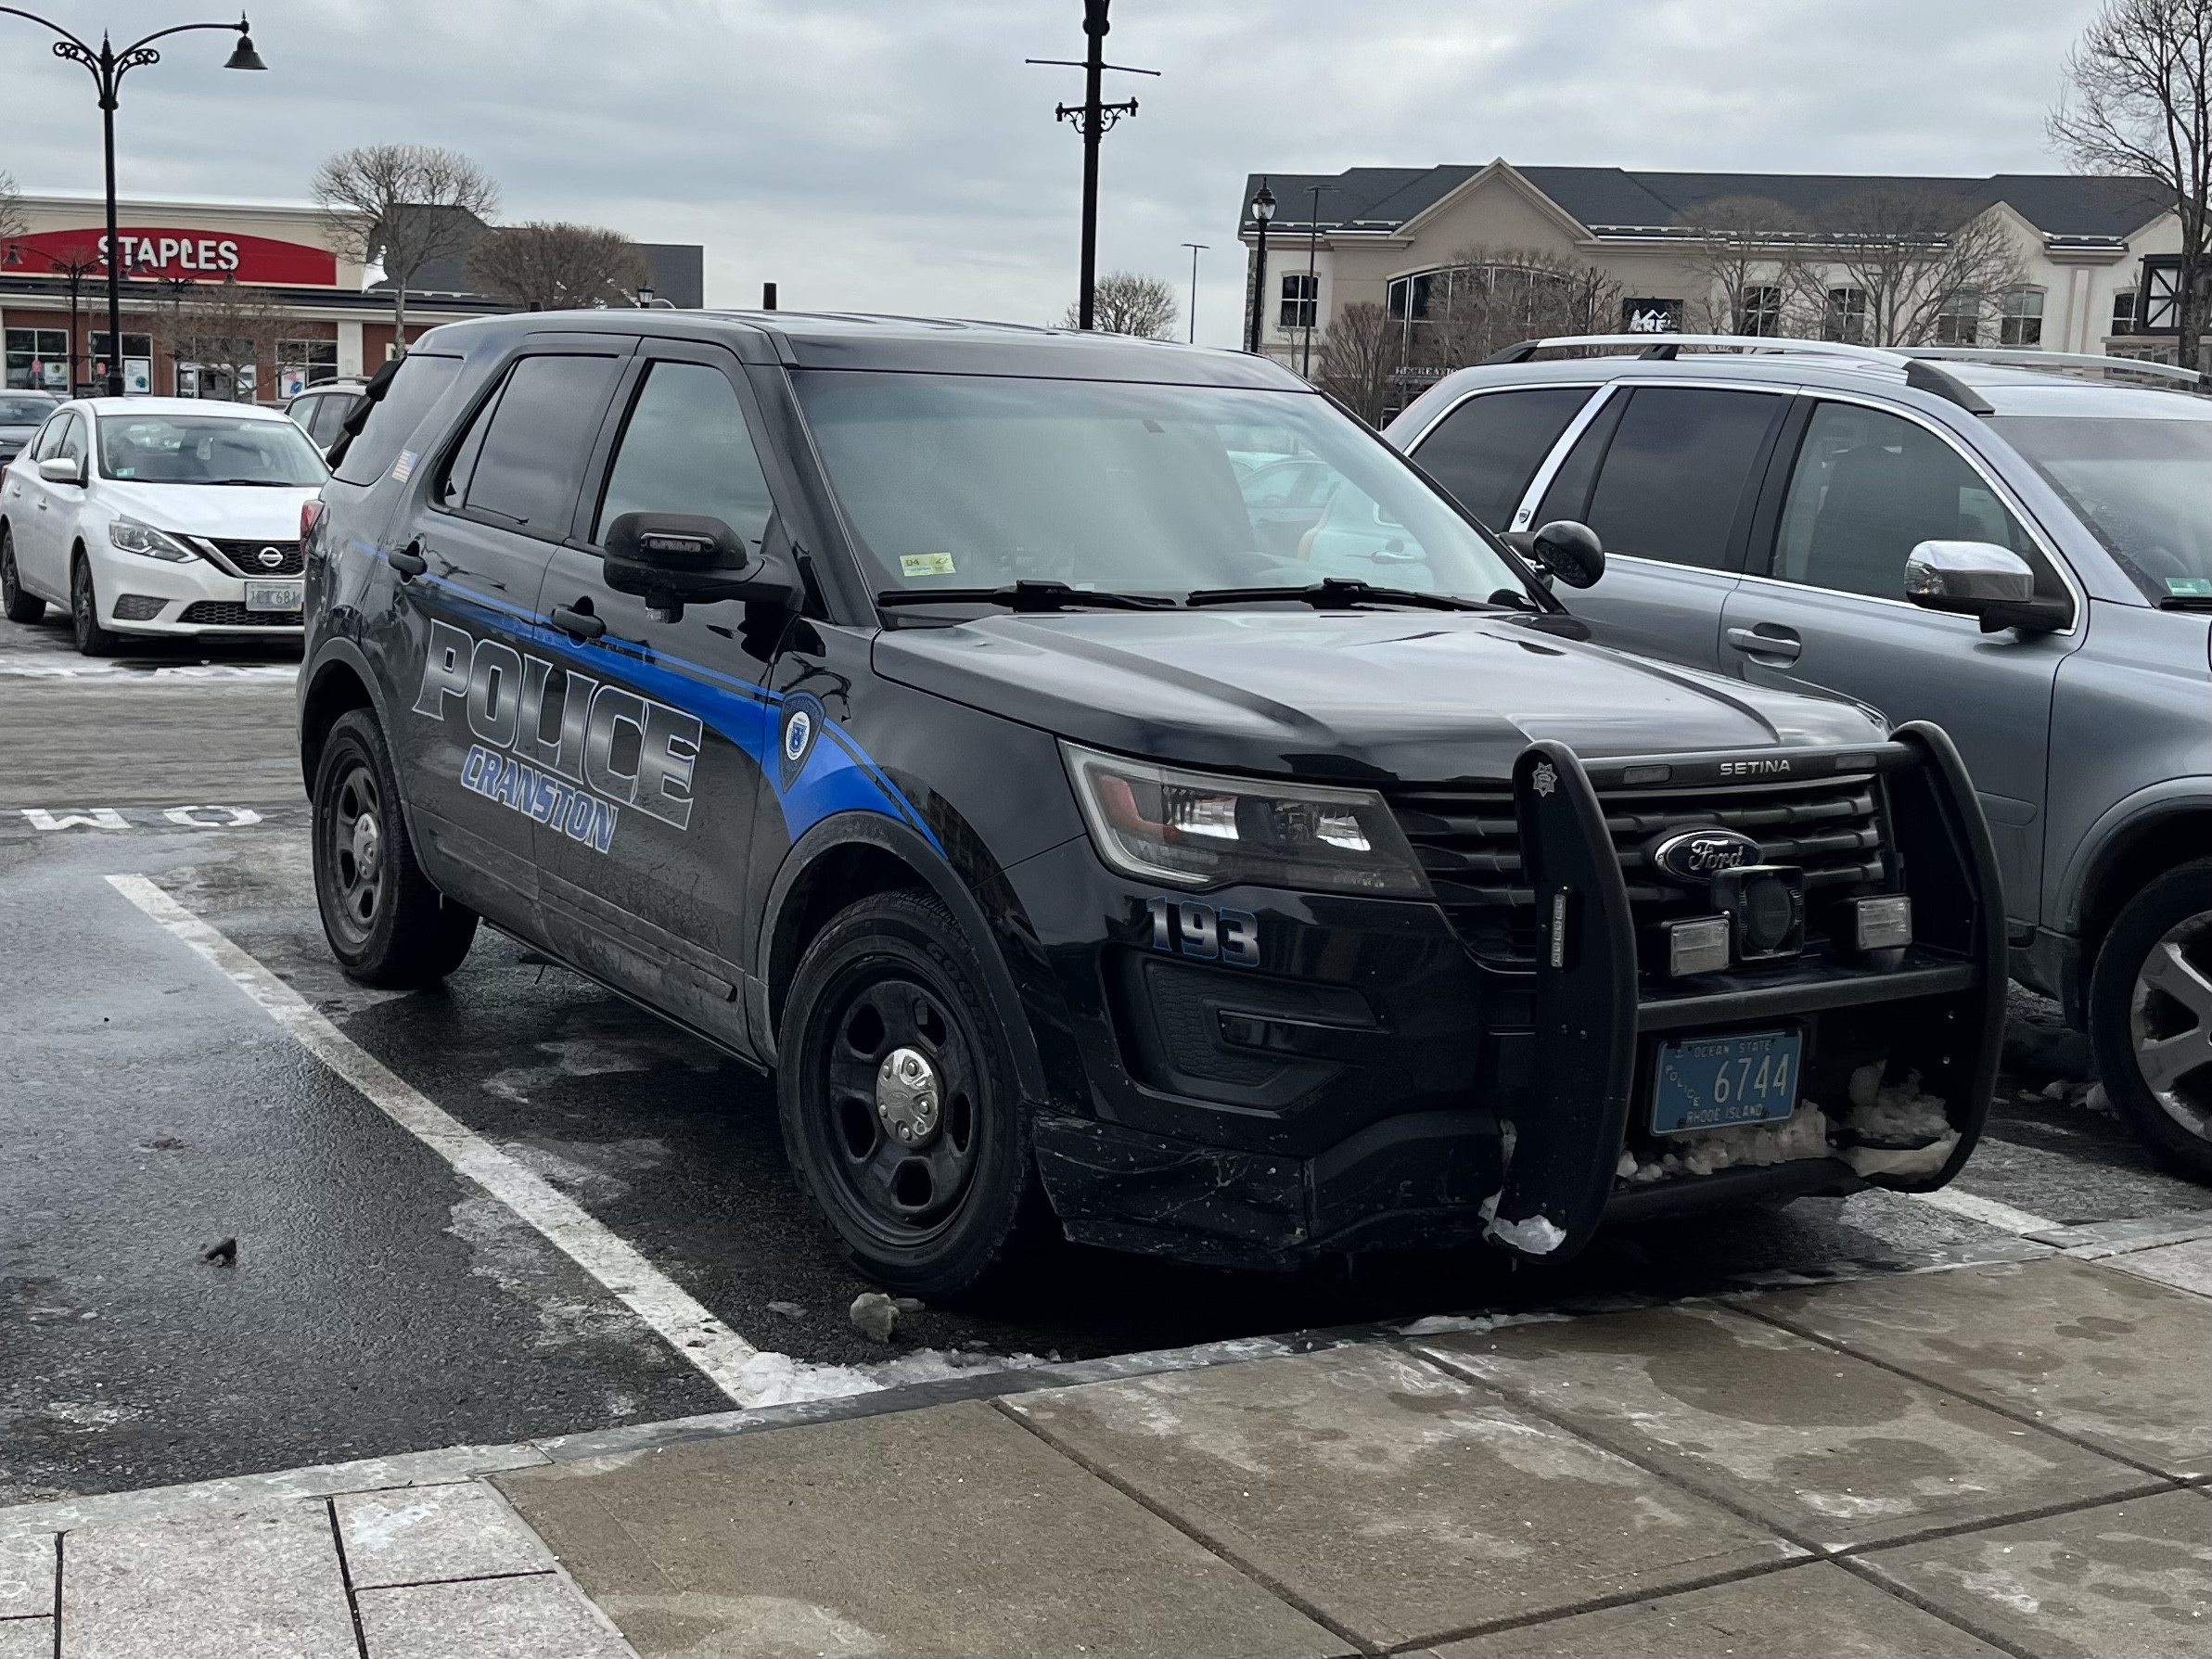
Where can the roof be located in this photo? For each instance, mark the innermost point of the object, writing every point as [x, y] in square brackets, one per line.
[1614, 200]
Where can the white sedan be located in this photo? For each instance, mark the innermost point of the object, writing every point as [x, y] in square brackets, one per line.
[158, 517]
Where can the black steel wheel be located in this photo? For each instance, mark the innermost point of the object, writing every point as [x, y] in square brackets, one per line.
[20, 605]
[2151, 1016]
[385, 922]
[93, 640]
[899, 1102]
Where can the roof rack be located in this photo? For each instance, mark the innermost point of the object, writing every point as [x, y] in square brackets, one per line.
[2190, 378]
[1664, 348]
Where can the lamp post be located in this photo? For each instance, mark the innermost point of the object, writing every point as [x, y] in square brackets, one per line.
[1263, 209]
[1093, 119]
[1313, 298]
[108, 67]
[1196, 248]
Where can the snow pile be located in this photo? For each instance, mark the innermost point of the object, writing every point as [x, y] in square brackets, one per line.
[769, 1379]
[1804, 1134]
[1533, 1236]
[1900, 1130]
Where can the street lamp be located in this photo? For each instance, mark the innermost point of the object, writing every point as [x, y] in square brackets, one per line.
[1312, 297]
[645, 297]
[108, 67]
[1196, 248]
[1263, 209]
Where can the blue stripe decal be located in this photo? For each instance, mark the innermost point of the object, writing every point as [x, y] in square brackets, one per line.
[837, 776]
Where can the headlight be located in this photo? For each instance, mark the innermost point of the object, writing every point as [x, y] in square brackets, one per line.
[133, 537]
[1196, 829]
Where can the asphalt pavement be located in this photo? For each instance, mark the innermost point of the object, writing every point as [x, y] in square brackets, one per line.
[382, 1302]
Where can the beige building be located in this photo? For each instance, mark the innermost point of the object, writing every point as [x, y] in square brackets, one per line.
[2091, 259]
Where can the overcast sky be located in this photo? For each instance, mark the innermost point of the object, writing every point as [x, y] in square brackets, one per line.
[896, 155]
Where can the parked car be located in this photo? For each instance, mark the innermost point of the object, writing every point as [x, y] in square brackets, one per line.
[920, 710]
[21, 414]
[158, 517]
[2015, 545]
[322, 409]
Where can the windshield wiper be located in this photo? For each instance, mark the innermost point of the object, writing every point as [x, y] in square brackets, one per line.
[1029, 596]
[2186, 602]
[1338, 592]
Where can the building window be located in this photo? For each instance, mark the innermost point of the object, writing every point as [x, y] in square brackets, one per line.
[38, 359]
[222, 369]
[2020, 318]
[1846, 318]
[1301, 301]
[1959, 323]
[2123, 312]
[304, 363]
[2159, 310]
[1651, 316]
[1762, 310]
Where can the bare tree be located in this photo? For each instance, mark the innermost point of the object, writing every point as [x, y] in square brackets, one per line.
[540, 266]
[12, 222]
[405, 205]
[1743, 259]
[1128, 303]
[1907, 257]
[1483, 298]
[2141, 81]
[226, 327]
[1358, 358]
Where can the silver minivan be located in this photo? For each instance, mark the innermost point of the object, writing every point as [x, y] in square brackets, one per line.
[2016, 545]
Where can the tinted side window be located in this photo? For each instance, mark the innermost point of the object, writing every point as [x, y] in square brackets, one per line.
[534, 452]
[328, 417]
[420, 381]
[685, 450]
[1489, 447]
[1867, 487]
[1674, 474]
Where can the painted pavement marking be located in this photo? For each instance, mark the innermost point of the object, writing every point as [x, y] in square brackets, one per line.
[1988, 1211]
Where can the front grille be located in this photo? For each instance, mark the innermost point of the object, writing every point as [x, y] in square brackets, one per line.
[1468, 842]
[244, 558]
[226, 613]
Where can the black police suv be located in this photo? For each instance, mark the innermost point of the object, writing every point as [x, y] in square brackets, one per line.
[1101, 775]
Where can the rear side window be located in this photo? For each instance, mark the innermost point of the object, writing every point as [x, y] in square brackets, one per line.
[534, 452]
[420, 382]
[1674, 474]
[1487, 449]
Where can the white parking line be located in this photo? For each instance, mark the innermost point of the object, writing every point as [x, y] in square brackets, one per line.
[1988, 1211]
[721, 1355]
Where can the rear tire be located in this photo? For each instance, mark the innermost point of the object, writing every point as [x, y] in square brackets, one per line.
[21, 604]
[900, 1108]
[2151, 1018]
[387, 925]
[93, 640]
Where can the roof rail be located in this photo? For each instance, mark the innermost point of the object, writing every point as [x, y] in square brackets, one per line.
[2068, 359]
[1666, 345]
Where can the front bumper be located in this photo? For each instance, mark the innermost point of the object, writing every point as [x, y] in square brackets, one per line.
[1352, 1092]
[152, 596]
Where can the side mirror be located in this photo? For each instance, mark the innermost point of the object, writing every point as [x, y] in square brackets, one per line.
[61, 469]
[673, 560]
[1981, 580]
[1571, 551]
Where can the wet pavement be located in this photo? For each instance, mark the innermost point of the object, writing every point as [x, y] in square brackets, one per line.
[380, 1302]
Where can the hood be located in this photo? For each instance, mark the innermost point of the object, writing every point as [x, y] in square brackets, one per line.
[229, 512]
[1361, 697]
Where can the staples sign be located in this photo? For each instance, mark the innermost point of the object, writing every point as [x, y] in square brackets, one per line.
[181, 253]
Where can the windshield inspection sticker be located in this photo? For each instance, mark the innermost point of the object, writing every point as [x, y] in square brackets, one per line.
[925, 564]
[2190, 587]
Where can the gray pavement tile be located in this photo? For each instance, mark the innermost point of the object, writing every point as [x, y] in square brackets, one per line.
[2116, 1582]
[27, 1576]
[944, 1531]
[538, 1617]
[426, 1532]
[26, 1639]
[2185, 1266]
[1817, 1610]
[255, 1584]
[2081, 1349]
[1400, 1501]
[1831, 1450]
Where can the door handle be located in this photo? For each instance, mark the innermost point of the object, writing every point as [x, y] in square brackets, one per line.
[578, 624]
[408, 561]
[1782, 644]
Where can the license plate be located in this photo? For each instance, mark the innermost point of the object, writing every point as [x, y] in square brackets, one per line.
[1711, 1083]
[272, 595]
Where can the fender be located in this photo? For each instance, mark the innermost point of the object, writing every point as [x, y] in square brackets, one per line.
[877, 830]
[334, 650]
[2119, 823]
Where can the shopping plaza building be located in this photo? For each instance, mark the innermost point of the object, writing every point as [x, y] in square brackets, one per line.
[318, 315]
[2094, 265]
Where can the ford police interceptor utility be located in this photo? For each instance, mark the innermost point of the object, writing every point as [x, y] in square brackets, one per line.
[959, 720]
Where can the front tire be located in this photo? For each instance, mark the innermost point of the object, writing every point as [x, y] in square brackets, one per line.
[387, 925]
[21, 604]
[2151, 1018]
[897, 1092]
[93, 639]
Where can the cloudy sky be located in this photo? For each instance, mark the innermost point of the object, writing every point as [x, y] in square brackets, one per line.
[897, 155]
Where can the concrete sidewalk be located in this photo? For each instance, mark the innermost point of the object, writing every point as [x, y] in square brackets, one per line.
[2005, 1458]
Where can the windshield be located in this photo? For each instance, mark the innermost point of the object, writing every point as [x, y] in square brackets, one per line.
[208, 449]
[2144, 488]
[965, 482]
[25, 412]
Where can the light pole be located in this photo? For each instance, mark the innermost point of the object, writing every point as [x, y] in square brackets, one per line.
[1263, 209]
[1093, 119]
[108, 67]
[1312, 286]
[1196, 248]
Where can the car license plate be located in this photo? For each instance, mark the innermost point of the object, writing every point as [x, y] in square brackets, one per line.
[1711, 1083]
[272, 595]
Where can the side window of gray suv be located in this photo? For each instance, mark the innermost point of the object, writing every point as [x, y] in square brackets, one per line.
[1487, 449]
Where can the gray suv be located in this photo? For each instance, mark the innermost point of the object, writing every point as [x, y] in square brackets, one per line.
[2016, 545]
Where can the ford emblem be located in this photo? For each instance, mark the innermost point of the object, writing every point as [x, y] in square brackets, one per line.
[1697, 855]
[270, 557]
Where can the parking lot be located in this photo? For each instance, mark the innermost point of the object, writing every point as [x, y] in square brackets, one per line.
[485, 1214]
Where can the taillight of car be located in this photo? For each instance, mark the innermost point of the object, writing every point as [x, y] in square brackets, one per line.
[311, 514]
